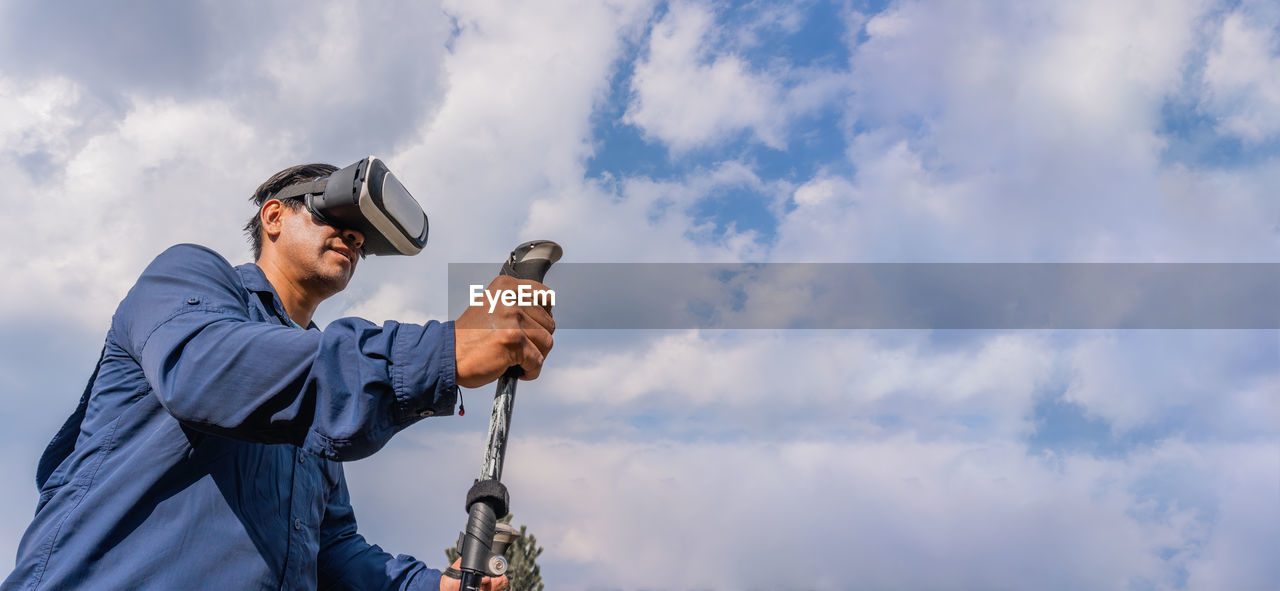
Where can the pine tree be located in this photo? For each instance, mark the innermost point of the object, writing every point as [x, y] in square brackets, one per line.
[522, 555]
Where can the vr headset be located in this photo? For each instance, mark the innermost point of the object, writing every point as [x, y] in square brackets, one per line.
[366, 197]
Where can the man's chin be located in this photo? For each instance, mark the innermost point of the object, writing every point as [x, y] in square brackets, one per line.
[340, 282]
[334, 282]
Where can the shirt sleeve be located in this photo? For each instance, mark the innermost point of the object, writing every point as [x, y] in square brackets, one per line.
[340, 394]
[347, 561]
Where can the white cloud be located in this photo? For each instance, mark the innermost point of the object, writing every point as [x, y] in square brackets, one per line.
[656, 216]
[794, 382]
[690, 92]
[1247, 488]
[823, 190]
[166, 173]
[390, 300]
[971, 386]
[685, 98]
[998, 131]
[39, 115]
[896, 209]
[1212, 383]
[1000, 73]
[1242, 77]
[514, 125]
[326, 64]
[1215, 215]
[343, 81]
[736, 515]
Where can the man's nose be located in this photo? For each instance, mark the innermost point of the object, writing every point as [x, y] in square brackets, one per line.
[354, 238]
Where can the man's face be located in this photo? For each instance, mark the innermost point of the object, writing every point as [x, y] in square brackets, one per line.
[319, 256]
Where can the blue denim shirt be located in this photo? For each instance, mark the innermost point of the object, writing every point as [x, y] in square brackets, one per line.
[206, 452]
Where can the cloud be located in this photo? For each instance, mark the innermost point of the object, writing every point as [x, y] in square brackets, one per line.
[123, 196]
[982, 515]
[1242, 75]
[1218, 390]
[126, 163]
[686, 101]
[964, 385]
[110, 48]
[992, 71]
[1002, 132]
[895, 210]
[658, 215]
[690, 91]
[787, 384]
[514, 123]
[342, 80]
[40, 119]
[1210, 214]
[388, 300]
[1249, 516]
[328, 75]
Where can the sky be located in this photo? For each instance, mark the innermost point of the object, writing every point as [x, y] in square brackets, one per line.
[990, 131]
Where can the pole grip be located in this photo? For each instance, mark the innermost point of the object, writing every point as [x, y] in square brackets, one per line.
[532, 259]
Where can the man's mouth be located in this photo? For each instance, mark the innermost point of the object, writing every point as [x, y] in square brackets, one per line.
[346, 252]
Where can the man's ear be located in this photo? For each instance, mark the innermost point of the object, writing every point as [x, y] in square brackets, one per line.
[272, 217]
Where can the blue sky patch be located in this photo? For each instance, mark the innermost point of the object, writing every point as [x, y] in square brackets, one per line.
[1194, 140]
[739, 209]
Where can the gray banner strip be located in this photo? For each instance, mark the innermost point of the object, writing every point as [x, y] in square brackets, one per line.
[906, 296]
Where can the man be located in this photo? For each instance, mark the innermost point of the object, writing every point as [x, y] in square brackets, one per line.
[207, 450]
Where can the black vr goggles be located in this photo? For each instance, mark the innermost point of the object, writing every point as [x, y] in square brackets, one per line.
[366, 197]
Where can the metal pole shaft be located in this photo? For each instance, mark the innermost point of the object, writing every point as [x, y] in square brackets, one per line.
[499, 426]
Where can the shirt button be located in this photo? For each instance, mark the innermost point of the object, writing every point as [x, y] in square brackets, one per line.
[301, 459]
[193, 300]
[297, 524]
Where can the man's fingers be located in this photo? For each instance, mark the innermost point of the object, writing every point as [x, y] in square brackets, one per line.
[541, 316]
[448, 583]
[486, 584]
[540, 336]
[532, 364]
[536, 345]
[498, 335]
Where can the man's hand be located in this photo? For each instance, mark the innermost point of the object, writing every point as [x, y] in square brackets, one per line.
[486, 584]
[486, 344]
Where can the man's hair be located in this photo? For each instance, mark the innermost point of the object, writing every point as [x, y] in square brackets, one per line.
[289, 176]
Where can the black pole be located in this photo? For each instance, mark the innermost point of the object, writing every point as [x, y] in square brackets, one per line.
[488, 500]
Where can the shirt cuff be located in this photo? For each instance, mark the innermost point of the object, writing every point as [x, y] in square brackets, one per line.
[427, 579]
[424, 370]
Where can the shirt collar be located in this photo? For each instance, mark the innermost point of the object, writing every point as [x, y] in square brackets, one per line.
[253, 279]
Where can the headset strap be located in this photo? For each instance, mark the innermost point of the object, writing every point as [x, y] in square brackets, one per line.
[308, 188]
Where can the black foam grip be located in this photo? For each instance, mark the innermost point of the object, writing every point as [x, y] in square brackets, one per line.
[492, 493]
